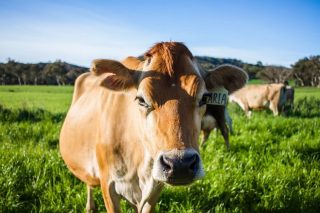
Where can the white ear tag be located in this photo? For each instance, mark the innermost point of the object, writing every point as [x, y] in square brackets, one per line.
[216, 97]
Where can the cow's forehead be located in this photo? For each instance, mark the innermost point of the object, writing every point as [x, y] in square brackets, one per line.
[170, 72]
[168, 58]
[161, 88]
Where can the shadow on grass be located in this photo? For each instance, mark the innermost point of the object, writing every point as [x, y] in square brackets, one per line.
[32, 115]
[309, 153]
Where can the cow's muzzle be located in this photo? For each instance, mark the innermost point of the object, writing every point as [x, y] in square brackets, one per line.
[178, 167]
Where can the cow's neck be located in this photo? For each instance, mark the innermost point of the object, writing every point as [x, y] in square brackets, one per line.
[150, 188]
[136, 184]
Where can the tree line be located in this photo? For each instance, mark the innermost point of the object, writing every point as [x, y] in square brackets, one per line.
[305, 72]
[55, 73]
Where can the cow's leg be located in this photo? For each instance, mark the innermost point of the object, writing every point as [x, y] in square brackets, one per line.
[225, 132]
[247, 111]
[110, 197]
[150, 204]
[205, 136]
[244, 106]
[148, 207]
[274, 108]
[228, 120]
[90, 207]
[230, 127]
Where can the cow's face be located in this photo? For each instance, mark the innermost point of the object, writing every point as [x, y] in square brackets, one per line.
[282, 96]
[171, 112]
[282, 99]
[167, 90]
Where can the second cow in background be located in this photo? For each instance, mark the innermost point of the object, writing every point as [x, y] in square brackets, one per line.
[216, 115]
[271, 96]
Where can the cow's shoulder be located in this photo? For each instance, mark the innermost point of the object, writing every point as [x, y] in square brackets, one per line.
[276, 86]
[273, 91]
[82, 84]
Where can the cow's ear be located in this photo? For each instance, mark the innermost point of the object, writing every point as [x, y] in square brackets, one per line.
[132, 62]
[116, 76]
[228, 76]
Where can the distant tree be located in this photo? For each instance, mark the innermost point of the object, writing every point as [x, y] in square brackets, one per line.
[24, 73]
[275, 74]
[259, 64]
[306, 71]
[72, 74]
[34, 72]
[3, 75]
[14, 69]
[253, 70]
[55, 72]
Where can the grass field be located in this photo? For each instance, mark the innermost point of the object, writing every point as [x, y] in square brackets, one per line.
[273, 165]
[51, 98]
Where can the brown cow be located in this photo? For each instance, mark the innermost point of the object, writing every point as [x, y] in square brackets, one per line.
[272, 96]
[132, 129]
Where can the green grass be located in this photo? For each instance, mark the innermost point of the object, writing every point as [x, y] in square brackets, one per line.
[302, 92]
[52, 98]
[58, 99]
[273, 165]
[257, 81]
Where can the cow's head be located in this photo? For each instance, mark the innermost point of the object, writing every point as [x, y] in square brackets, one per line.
[167, 89]
[277, 95]
[282, 99]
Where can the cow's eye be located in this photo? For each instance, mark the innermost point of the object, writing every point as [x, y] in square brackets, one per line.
[142, 102]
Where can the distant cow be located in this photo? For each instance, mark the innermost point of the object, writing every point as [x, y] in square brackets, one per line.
[216, 115]
[133, 127]
[272, 96]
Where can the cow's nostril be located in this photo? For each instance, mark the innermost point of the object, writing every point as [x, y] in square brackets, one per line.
[190, 159]
[194, 160]
[166, 163]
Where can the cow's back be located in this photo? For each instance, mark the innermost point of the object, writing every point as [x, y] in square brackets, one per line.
[254, 96]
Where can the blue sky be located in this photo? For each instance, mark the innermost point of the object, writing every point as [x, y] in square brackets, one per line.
[272, 31]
